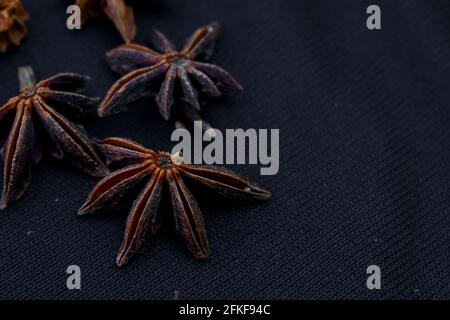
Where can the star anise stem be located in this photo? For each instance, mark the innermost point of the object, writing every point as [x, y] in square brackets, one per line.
[195, 117]
[179, 125]
[26, 77]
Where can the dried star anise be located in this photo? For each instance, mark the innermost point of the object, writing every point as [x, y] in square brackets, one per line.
[143, 66]
[36, 124]
[156, 169]
[12, 23]
[117, 11]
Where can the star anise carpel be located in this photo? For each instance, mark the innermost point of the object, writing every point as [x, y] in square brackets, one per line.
[38, 128]
[142, 67]
[116, 10]
[157, 171]
[12, 23]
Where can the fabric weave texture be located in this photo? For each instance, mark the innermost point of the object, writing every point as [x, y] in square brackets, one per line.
[364, 157]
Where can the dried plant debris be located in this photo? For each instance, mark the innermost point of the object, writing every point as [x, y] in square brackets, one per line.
[12, 23]
[157, 171]
[37, 128]
[117, 11]
[143, 67]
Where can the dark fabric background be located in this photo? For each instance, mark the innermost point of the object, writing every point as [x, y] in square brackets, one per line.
[364, 163]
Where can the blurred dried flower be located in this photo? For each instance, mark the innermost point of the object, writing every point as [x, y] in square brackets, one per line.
[12, 23]
[117, 11]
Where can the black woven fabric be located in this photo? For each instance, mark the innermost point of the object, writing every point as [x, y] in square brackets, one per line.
[364, 162]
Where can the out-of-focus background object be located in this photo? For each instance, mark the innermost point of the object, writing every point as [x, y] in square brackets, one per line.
[117, 11]
[13, 27]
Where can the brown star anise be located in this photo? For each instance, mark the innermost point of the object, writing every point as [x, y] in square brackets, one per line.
[117, 11]
[156, 169]
[142, 66]
[12, 23]
[36, 123]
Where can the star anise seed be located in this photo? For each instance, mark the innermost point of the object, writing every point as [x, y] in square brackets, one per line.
[155, 170]
[34, 113]
[117, 11]
[143, 66]
[12, 23]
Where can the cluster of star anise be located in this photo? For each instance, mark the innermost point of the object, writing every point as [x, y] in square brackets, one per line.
[39, 124]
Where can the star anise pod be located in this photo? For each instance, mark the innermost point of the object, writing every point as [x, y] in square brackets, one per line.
[117, 11]
[37, 125]
[12, 23]
[141, 166]
[143, 66]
